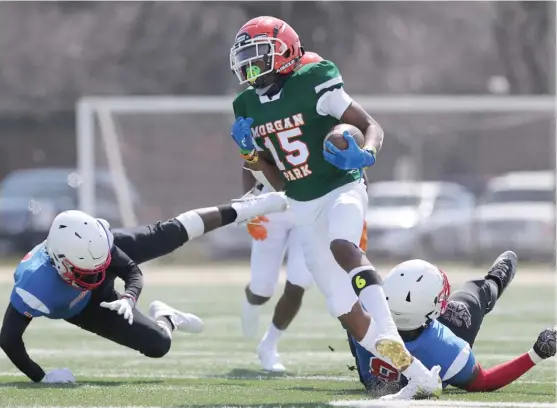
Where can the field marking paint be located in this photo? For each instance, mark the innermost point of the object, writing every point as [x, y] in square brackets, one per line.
[435, 404]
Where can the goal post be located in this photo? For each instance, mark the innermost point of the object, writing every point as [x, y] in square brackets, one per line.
[127, 137]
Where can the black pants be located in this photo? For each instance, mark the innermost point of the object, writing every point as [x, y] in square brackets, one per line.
[141, 244]
[467, 308]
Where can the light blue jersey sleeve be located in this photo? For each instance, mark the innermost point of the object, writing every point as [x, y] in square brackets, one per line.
[465, 374]
[28, 288]
[438, 345]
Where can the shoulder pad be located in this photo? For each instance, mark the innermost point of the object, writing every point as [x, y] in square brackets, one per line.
[324, 76]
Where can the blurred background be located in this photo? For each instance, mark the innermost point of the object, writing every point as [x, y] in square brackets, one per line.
[457, 179]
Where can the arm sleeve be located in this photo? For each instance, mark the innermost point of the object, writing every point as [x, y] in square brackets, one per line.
[334, 103]
[127, 270]
[332, 100]
[503, 374]
[11, 341]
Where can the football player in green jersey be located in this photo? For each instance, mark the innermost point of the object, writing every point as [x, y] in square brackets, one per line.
[283, 118]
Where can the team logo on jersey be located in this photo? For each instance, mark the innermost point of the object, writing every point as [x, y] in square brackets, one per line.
[383, 371]
[276, 126]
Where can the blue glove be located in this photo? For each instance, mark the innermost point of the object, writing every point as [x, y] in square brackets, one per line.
[241, 133]
[351, 158]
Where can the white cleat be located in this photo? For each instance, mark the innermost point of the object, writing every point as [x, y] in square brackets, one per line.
[185, 322]
[250, 320]
[429, 387]
[251, 206]
[269, 358]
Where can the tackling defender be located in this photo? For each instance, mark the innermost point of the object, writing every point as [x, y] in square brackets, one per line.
[71, 276]
[282, 119]
[441, 329]
[273, 236]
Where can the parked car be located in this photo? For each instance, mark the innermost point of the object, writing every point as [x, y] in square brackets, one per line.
[419, 219]
[30, 199]
[517, 212]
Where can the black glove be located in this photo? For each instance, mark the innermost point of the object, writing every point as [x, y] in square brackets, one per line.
[545, 344]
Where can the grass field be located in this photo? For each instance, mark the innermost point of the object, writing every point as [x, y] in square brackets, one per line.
[218, 368]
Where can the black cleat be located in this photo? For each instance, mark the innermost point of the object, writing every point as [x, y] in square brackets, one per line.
[545, 344]
[503, 270]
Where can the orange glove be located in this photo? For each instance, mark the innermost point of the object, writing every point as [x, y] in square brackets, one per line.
[256, 228]
[363, 238]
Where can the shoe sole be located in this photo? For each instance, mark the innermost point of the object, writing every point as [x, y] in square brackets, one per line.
[394, 351]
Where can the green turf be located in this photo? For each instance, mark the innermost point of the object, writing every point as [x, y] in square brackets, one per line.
[219, 368]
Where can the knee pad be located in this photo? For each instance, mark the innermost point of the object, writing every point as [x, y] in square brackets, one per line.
[157, 348]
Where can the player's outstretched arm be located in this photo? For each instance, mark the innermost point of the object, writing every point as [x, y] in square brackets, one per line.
[505, 373]
[127, 270]
[11, 341]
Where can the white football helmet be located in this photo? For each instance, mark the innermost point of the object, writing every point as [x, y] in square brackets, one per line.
[79, 246]
[417, 292]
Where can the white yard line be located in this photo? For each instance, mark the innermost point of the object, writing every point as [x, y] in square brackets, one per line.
[435, 404]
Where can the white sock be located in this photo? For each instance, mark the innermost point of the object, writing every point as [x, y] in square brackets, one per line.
[534, 357]
[250, 309]
[416, 370]
[374, 301]
[272, 336]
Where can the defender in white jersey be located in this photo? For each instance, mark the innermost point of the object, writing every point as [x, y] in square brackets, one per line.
[273, 236]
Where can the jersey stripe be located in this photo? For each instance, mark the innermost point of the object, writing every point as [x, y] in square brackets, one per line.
[331, 82]
[458, 363]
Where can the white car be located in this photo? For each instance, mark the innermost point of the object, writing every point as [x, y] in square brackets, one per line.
[419, 219]
[518, 212]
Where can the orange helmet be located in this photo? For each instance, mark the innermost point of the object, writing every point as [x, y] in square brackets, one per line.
[310, 58]
[264, 48]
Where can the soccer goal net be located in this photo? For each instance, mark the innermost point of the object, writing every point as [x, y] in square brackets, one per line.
[165, 155]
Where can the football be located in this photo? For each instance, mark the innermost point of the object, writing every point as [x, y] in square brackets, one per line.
[337, 139]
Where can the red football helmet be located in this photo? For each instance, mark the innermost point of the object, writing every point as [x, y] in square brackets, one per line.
[310, 58]
[264, 48]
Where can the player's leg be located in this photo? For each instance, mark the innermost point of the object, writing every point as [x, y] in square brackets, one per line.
[265, 263]
[476, 298]
[298, 279]
[345, 211]
[152, 241]
[152, 337]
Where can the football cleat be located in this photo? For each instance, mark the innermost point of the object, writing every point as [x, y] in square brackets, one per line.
[503, 270]
[429, 387]
[545, 344]
[269, 358]
[395, 352]
[251, 206]
[181, 321]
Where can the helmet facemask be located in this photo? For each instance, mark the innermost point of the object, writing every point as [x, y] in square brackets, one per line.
[253, 60]
[79, 277]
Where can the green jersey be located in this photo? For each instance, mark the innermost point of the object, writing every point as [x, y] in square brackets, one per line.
[292, 126]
